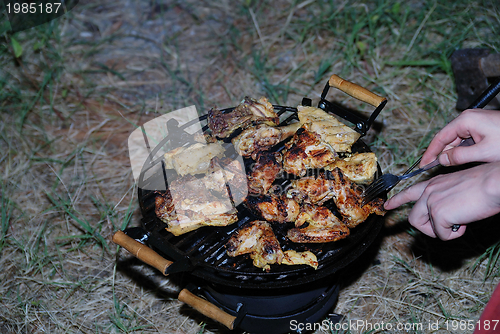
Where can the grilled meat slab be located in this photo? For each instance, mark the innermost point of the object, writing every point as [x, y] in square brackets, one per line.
[224, 171]
[317, 224]
[257, 239]
[265, 171]
[306, 151]
[348, 197]
[261, 138]
[333, 132]
[359, 167]
[189, 205]
[273, 208]
[311, 189]
[247, 112]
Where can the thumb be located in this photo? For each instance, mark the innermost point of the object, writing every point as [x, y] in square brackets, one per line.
[459, 156]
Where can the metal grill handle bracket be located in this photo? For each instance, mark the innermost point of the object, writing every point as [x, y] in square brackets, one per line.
[362, 125]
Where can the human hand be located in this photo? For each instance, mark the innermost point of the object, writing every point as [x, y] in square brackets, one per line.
[480, 124]
[457, 198]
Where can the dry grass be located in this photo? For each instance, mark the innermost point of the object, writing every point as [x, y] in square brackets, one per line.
[70, 101]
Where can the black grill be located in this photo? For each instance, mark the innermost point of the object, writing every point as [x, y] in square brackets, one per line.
[202, 252]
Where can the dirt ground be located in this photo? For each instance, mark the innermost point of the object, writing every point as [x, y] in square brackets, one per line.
[83, 83]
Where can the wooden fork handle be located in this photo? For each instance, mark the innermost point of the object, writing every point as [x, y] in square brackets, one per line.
[356, 91]
[142, 252]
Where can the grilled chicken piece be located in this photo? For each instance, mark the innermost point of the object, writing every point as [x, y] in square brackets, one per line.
[311, 189]
[264, 172]
[224, 171]
[348, 197]
[292, 257]
[257, 239]
[189, 205]
[333, 132]
[317, 224]
[194, 159]
[359, 168]
[261, 138]
[273, 208]
[249, 111]
[305, 151]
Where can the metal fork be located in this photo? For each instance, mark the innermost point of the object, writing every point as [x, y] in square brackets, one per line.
[388, 181]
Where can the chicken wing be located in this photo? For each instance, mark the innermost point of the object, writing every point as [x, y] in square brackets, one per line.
[273, 208]
[247, 112]
[333, 132]
[264, 172]
[348, 197]
[306, 151]
[261, 138]
[257, 239]
[359, 167]
[317, 224]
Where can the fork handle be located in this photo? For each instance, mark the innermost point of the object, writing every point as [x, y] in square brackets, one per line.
[466, 142]
[421, 170]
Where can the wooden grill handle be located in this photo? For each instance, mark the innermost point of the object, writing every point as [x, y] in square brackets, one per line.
[355, 91]
[206, 308]
[142, 252]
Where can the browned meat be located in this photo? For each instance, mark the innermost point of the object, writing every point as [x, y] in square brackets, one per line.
[346, 194]
[310, 189]
[333, 132]
[261, 138]
[248, 112]
[348, 197]
[273, 208]
[292, 257]
[305, 151]
[257, 239]
[317, 224]
[264, 172]
[189, 205]
[227, 171]
[359, 167]
[164, 207]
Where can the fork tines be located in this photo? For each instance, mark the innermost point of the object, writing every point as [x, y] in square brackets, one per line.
[374, 189]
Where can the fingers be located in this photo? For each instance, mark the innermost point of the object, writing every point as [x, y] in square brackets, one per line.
[410, 194]
[437, 147]
[451, 135]
[433, 221]
[423, 214]
[433, 230]
[458, 156]
[446, 232]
